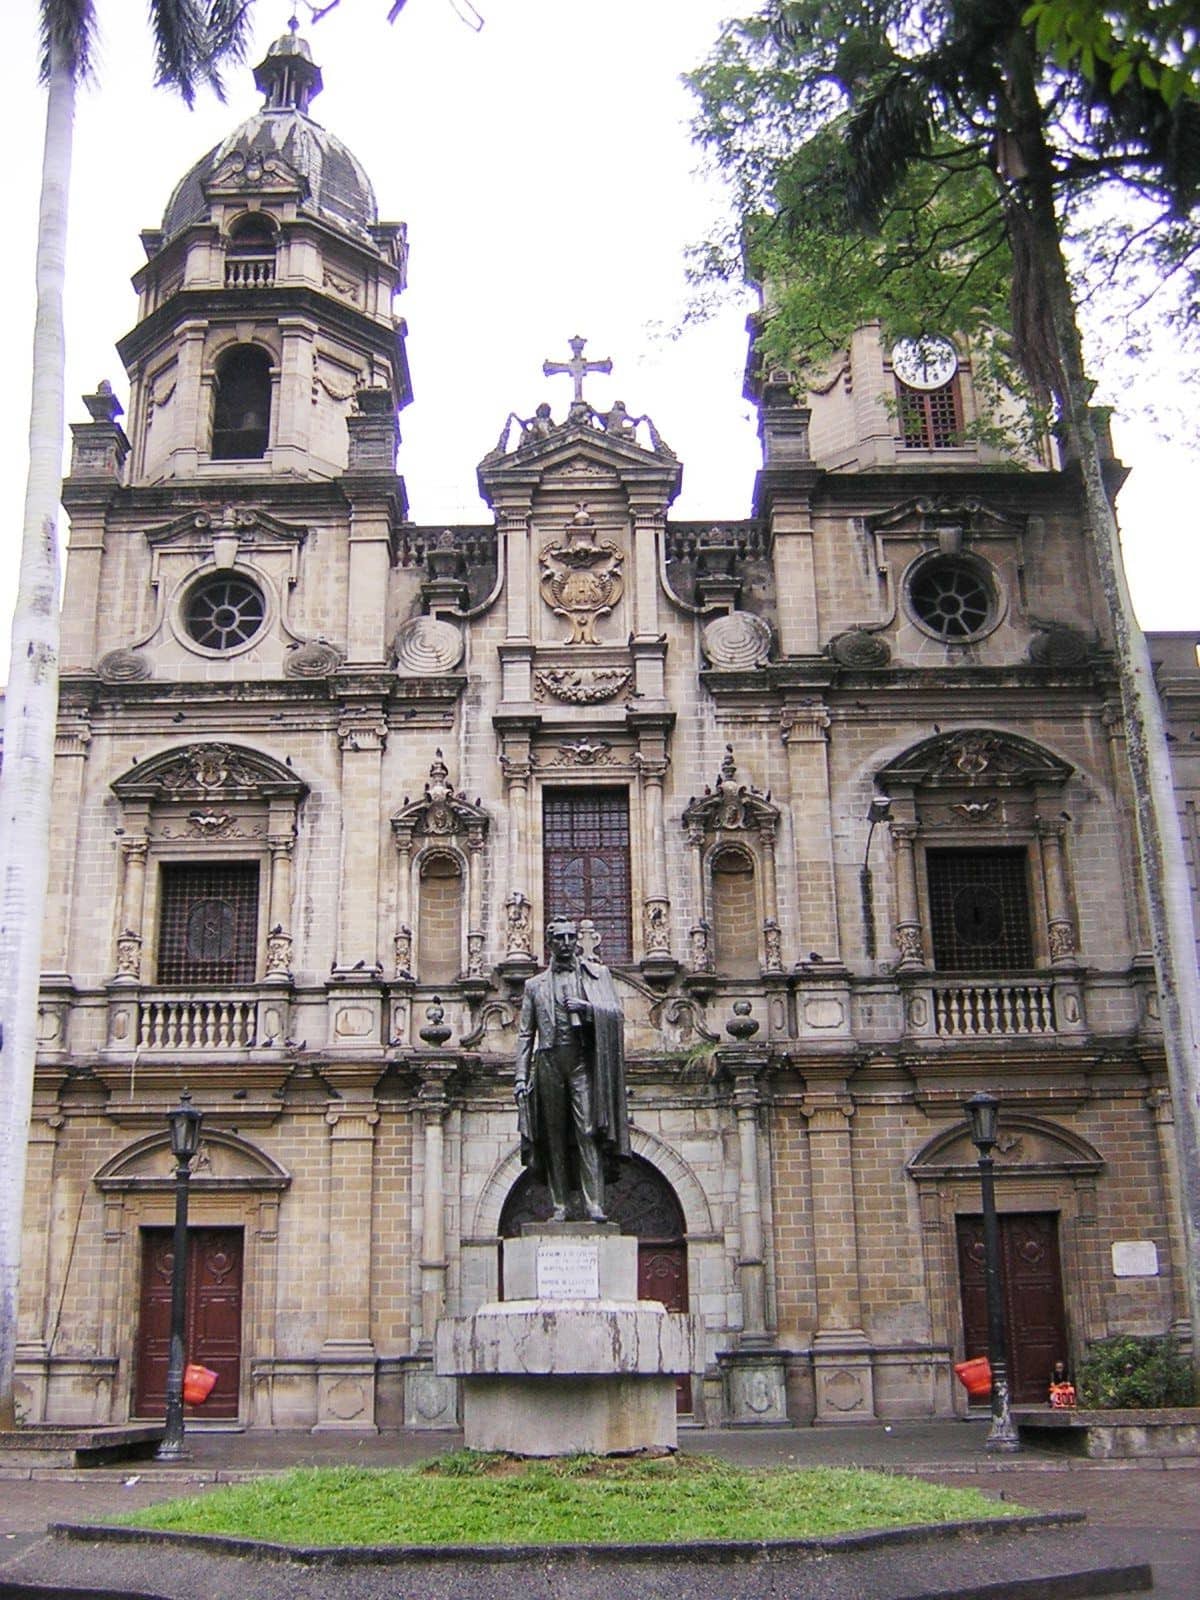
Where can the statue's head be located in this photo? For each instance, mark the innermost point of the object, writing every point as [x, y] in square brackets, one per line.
[562, 935]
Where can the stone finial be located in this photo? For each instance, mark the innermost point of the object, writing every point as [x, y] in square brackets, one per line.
[741, 1025]
[436, 1032]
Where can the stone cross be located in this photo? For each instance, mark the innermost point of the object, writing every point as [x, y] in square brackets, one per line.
[577, 368]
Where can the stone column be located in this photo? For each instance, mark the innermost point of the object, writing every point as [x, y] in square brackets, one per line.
[656, 907]
[517, 766]
[433, 1107]
[1060, 929]
[72, 738]
[43, 1237]
[841, 1356]
[402, 939]
[772, 934]
[752, 1374]
[134, 849]
[700, 954]
[805, 736]
[1159, 1102]
[367, 585]
[475, 932]
[346, 1365]
[281, 840]
[908, 913]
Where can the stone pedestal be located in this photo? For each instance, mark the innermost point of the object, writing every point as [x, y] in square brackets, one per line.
[573, 1361]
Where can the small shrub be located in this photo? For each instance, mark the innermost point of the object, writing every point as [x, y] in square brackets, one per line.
[1129, 1373]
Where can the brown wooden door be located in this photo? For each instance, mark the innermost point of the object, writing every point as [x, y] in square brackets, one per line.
[213, 1325]
[1031, 1280]
[662, 1276]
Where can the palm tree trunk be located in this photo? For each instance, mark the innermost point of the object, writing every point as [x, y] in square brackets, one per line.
[1164, 876]
[31, 714]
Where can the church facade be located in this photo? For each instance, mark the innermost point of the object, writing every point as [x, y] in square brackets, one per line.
[837, 791]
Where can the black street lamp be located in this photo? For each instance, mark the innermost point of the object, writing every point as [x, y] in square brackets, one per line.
[879, 810]
[184, 1123]
[983, 1110]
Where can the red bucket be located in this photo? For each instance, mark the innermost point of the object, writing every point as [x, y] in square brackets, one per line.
[975, 1376]
[197, 1384]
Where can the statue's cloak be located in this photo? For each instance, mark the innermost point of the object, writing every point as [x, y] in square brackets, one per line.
[604, 1047]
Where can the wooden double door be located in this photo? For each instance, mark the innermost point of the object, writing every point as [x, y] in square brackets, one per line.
[1031, 1283]
[213, 1325]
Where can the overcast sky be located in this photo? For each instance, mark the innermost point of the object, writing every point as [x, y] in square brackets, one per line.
[544, 169]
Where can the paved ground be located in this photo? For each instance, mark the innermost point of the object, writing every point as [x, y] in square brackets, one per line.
[1136, 1511]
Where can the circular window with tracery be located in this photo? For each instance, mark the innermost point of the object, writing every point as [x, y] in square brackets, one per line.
[224, 611]
[952, 598]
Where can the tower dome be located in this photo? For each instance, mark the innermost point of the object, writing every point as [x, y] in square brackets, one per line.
[336, 186]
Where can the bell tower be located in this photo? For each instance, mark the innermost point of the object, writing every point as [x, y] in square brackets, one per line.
[265, 304]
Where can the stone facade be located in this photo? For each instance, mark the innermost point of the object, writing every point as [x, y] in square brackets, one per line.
[840, 787]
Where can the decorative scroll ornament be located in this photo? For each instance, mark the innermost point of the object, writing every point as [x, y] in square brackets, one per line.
[858, 648]
[442, 810]
[737, 641]
[427, 646]
[312, 658]
[1058, 646]
[581, 577]
[730, 805]
[581, 686]
[584, 753]
[123, 666]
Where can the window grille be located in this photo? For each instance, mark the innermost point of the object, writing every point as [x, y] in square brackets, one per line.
[979, 910]
[208, 922]
[585, 857]
[951, 597]
[224, 612]
[930, 419]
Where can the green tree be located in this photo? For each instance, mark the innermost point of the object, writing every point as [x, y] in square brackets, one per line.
[1051, 119]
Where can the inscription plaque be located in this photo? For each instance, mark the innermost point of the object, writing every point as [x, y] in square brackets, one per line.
[568, 1270]
[1135, 1258]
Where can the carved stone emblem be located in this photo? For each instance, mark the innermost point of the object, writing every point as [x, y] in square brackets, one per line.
[123, 666]
[427, 646]
[737, 641]
[581, 577]
[584, 753]
[314, 658]
[581, 686]
[858, 648]
[1058, 646]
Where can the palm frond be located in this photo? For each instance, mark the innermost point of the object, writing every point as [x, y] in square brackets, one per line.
[68, 29]
[889, 129]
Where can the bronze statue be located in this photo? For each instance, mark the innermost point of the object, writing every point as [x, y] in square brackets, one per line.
[570, 1076]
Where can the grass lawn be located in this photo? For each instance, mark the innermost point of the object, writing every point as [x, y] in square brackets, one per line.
[464, 1498]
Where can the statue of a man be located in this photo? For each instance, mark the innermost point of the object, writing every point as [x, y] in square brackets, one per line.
[570, 1075]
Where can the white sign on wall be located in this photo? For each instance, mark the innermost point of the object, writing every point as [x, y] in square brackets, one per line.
[568, 1269]
[1135, 1258]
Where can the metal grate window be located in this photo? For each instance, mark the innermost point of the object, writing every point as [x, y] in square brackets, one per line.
[208, 922]
[979, 910]
[930, 419]
[585, 857]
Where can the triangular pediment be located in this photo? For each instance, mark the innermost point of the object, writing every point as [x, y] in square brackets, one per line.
[579, 453]
[204, 772]
[930, 515]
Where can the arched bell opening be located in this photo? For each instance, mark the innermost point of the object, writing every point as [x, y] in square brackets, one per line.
[242, 408]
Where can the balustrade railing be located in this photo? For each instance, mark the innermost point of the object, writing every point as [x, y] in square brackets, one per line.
[249, 272]
[168, 1022]
[988, 1010]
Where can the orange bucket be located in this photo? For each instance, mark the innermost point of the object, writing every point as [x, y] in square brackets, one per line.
[197, 1384]
[975, 1376]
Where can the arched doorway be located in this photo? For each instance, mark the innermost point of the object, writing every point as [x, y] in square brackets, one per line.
[642, 1203]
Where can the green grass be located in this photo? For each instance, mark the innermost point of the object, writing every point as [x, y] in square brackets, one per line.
[465, 1498]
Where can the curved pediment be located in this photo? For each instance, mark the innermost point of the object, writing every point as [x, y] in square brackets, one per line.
[199, 772]
[1027, 1145]
[973, 757]
[581, 453]
[223, 1161]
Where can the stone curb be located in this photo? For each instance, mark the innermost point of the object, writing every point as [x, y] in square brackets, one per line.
[719, 1551]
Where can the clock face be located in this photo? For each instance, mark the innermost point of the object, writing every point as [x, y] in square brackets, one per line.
[924, 363]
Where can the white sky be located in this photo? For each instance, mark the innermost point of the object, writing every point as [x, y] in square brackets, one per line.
[545, 172]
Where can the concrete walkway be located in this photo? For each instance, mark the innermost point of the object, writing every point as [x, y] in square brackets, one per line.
[1137, 1511]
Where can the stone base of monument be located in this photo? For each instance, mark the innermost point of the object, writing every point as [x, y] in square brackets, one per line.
[571, 1360]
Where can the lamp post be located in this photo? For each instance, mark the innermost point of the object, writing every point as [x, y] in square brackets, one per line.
[878, 811]
[184, 1123]
[983, 1110]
